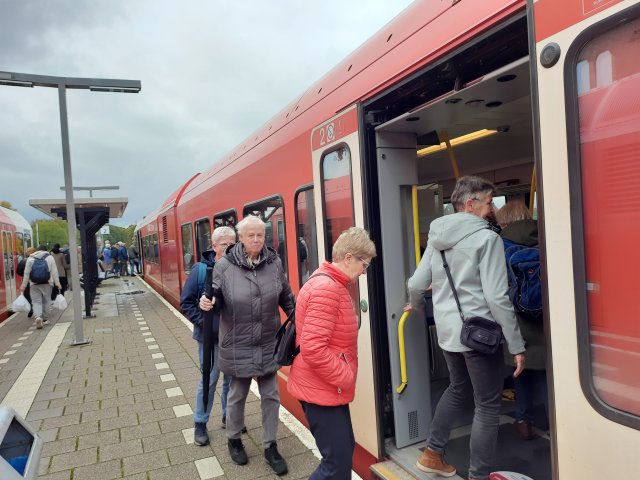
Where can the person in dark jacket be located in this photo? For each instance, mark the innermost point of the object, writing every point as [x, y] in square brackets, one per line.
[222, 237]
[249, 284]
[518, 227]
[323, 376]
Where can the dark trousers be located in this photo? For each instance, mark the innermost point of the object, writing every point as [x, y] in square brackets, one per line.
[332, 430]
[478, 376]
[531, 387]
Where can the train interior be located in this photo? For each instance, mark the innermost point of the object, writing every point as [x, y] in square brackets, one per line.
[479, 99]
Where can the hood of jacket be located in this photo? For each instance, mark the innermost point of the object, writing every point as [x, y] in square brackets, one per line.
[524, 232]
[237, 255]
[209, 257]
[39, 254]
[447, 231]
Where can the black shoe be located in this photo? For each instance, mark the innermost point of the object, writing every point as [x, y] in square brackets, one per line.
[224, 421]
[275, 460]
[30, 314]
[200, 435]
[236, 450]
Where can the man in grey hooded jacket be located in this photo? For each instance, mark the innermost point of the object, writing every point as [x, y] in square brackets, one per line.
[475, 255]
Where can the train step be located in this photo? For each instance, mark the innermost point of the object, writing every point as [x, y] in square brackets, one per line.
[389, 470]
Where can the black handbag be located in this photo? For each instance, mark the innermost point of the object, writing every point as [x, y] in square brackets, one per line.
[478, 333]
[286, 349]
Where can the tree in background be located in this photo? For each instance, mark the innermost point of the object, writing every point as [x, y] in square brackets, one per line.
[51, 231]
[5, 204]
[119, 234]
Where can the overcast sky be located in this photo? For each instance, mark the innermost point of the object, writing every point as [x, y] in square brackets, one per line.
[212, 72]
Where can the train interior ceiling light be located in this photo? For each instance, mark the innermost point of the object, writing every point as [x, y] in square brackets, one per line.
[469, 137]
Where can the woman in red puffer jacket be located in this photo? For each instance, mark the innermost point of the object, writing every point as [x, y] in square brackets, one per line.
[323, 375]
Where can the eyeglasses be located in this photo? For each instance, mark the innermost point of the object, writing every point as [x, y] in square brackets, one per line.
[365, 263]
[488, 204]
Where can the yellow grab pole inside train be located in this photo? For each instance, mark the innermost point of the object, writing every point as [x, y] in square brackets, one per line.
[532, 192]
[405, 315]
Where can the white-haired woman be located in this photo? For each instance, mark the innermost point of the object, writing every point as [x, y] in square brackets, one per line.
[249, 284]
[323, 375]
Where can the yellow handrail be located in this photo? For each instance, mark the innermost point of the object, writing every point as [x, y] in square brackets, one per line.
[405, 315]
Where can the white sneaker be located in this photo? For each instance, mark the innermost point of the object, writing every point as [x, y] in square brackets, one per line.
[45, 321]
[39, 323]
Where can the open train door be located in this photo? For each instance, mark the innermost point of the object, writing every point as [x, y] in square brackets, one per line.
[586, 78]
[338, 198]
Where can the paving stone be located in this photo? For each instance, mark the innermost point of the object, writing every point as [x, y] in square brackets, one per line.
[126, 420]
[57, 447]
[82, 407]
[164, 441]
[145, 462]
[61, 421]
[140, 431]
[102, 470]
[74, 459]
[42, 414]
[48, 435]
[188, 453]
[209, 468]
[185, 470]
[66, 475]
[98, 439]
[120, 450]
[77, 430]
[156, 415]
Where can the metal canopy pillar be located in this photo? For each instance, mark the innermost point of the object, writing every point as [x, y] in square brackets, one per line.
[89, 220]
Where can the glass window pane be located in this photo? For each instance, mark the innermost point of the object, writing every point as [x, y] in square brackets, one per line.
[609, 146]
[187, 247]
[337, 195]
[225, 219]
[271, 211]
[307, 235]
[203, 237]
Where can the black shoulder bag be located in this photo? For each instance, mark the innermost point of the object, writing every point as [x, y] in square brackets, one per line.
[478, 333]
[286, 348]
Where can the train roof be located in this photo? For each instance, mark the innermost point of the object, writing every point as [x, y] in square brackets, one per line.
[16, 219]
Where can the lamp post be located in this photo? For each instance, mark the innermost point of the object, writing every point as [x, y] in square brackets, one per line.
[62, 84]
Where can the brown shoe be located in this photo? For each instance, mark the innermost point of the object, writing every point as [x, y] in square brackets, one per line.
[524, 429]
[433, 462]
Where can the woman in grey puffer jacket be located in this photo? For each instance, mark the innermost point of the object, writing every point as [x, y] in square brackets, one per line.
[249, 284]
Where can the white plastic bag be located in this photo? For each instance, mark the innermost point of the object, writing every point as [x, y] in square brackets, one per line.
[60, 303]
[21, 304]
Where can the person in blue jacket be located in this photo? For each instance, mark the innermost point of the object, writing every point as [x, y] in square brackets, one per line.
[193, 289]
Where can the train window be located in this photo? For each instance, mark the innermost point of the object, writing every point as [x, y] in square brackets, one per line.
[154, 249]
[19, 246]
[27, 240]
[336, 195]
[307, 235]
[605, 174]
[203, 237]
[271, 211]
[228, 218]
[187, 247]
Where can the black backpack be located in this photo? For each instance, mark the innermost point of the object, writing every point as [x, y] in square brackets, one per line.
[40, 273]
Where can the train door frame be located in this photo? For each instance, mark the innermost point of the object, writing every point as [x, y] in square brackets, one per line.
[342, 129]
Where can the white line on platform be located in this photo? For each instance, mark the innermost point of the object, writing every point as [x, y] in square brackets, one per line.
[24, 390]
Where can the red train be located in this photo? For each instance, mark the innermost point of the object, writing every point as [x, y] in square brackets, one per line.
[540, 97]
[17, 236]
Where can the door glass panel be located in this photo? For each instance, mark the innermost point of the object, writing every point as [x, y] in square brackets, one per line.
[609, 146]
[187, 247]
[307, 235]
[337, 195]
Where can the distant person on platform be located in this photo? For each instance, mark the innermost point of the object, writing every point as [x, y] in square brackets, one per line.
[62, 265]
[134, 259]
[193, 289]
[40, 278]
[123, 258]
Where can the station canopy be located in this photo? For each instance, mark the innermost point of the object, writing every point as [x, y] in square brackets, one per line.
[113, 207]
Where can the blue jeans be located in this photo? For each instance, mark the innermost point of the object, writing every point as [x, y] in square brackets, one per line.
[531, 386]
[478, 376]
[226, 382]
[201, 414]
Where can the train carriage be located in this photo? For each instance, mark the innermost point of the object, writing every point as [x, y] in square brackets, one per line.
[17, 236]
[538, 97]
